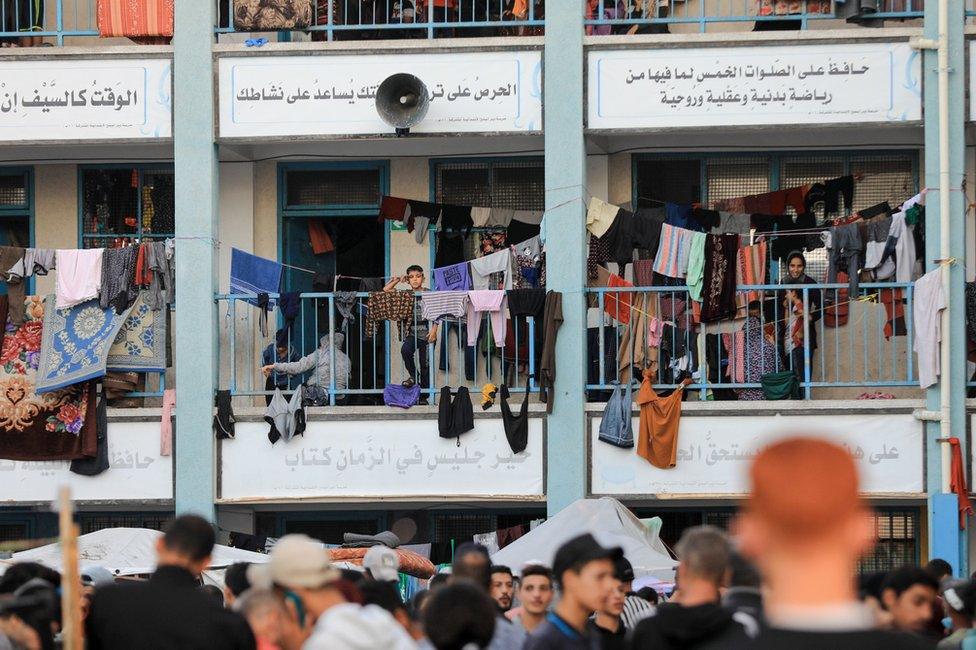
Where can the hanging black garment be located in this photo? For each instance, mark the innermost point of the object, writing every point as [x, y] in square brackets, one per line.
[99, 463]
[457, 416]
[223, 422]
[516, 426]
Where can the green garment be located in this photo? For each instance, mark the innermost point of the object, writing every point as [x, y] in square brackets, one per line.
[696, 267]
[780, 385]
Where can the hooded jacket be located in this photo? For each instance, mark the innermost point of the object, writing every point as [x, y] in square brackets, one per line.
[674, 627]
[321, 361]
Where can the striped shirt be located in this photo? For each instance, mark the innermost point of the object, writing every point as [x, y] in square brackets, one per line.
[673, 251]
[437, 304]
[636, 609]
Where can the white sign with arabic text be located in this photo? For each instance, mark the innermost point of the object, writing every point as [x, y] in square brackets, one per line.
[136, 471]
[714, 454]
[336, 95]
[92, 99]
[740, 86]
[380, 458]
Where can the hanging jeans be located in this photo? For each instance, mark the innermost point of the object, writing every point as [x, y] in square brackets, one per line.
[416, 345]
[470, 358]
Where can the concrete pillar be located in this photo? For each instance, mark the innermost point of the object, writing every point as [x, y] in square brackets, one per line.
[196, 233]
[565, 247]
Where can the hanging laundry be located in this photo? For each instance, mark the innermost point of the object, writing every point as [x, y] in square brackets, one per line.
[491, 241]
[901, 244]
[617, 423]
[750, 269]
[393, 208]
[696, 266]
[635, 341]
[450, 250]
[452, 278]
[551, 322]
[224, 420]
[598, 255]
[500, 218]
[894, 305]
[437, 304]
[718, 293]
[529, 272]
[730, 222]
[290, 304]
[678, 215]
[401, 396]
[75, 344]
[845, 248]
[929, 300]
[455, 416]
[396, 306]
[250, 274]
[456, 218]
[493, 302]
[781, 385]
[705, 220]
[520, 230]
[516, 426]
[162, 279]
[79, 277]
[147, 19]
[644, 273]
[531, 247]
[95, 465]
[883, 208]
[600, 216]
[483, 267]
[318, 236]
[10, 256]
[620, 238]
[480, 216]
[615, 304]
[57, 426]
[827, 193]
[140, 345]
[276, 415]
[647, 231]
[673, 252]
[118, 278]
[957, 482]
[660, 418]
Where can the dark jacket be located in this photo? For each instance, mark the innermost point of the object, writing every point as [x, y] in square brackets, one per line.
[168, 612]
[676, 627]
[744, 599]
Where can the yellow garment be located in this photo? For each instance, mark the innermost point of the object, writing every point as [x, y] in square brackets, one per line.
[488, 396]
[600, 215]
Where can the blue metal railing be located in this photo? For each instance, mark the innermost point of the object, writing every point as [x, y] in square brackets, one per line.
[353, 20]
[840, 345]
[21, 21]
[372, 361]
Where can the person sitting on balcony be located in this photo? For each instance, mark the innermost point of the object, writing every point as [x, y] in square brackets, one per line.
[279, 351]
[418, 336]
[319, 383]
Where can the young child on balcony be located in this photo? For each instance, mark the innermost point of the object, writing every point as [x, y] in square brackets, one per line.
[419, 335]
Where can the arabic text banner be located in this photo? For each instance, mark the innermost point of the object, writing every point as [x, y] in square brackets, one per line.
[336, 95]
[380, 458]
[137, 472]
[714, 454]
[815, 84]
[92, 99]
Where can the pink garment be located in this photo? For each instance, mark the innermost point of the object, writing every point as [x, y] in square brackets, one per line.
[655, 330]
[493, 302]
[166, 423]
[79, 276]
[735, 343]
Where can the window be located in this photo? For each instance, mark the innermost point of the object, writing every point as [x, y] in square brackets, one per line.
[321, 187]
[517, 184]
[888, 176]
[89, 523]
[896, 531]
[16, 210]
[120, 204]
[14, 531]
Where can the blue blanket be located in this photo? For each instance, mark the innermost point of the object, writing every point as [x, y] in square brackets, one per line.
[253, 274]
[75, 343]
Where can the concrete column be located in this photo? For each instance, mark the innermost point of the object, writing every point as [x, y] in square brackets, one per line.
[945, 539]
[196, 231]
[565, 246]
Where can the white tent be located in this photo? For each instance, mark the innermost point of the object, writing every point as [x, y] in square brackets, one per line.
[609, 522]
[125, 552]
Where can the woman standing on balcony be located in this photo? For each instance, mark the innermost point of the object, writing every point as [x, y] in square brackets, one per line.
[796, 266]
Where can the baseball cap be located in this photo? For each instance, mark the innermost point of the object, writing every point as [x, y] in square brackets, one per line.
[383, 563]
[295, 561]
[582, 549]
[623, 570]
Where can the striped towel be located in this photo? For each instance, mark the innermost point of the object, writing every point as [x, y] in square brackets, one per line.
[437, 304]
[673, 251]
[127, 18]
[751, 270]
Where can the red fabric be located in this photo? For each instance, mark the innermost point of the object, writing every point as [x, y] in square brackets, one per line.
[895, 309]
[957, 483]
[836, 315]
[393, 208]
[318, 235]
[617, 305]
[144, 276]
[410, 563]
[134, 19]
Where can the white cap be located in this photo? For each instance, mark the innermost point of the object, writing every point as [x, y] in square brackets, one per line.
[351, 627]
[296, 561]
[382, 562]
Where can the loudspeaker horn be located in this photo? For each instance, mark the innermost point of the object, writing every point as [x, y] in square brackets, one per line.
[402, 101]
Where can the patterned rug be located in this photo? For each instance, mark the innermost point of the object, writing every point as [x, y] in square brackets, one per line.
[52, 426]
[75, 343]
[140, 345]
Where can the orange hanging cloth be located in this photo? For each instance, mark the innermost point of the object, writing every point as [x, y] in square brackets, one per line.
[657, 440]
[319, 237]
[957, 482]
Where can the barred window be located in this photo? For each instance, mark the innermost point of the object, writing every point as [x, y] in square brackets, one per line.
[122, 204]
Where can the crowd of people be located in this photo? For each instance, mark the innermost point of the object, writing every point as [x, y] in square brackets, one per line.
[786, 579]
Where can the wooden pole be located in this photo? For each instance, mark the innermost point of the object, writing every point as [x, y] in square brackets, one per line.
[70, 579]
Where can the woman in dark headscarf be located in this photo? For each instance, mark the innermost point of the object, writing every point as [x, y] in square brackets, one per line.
[796, 266]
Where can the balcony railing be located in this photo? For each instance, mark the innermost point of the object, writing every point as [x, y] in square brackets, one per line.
[45, 22]
[363, 364]
[850, 342]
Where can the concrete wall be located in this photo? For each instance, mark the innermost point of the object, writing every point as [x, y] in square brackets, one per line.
[55, 213]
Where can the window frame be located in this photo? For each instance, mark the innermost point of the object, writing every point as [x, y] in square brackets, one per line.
[141, 169]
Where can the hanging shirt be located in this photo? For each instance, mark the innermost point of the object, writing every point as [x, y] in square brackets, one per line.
[493, 302]
[696, 266]
[673, 252]
[657, 440]
[481, 268]
[929, 302]
[901, 237]
[600, 215]
[437, 304]
[79, 276]
[452, 278]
